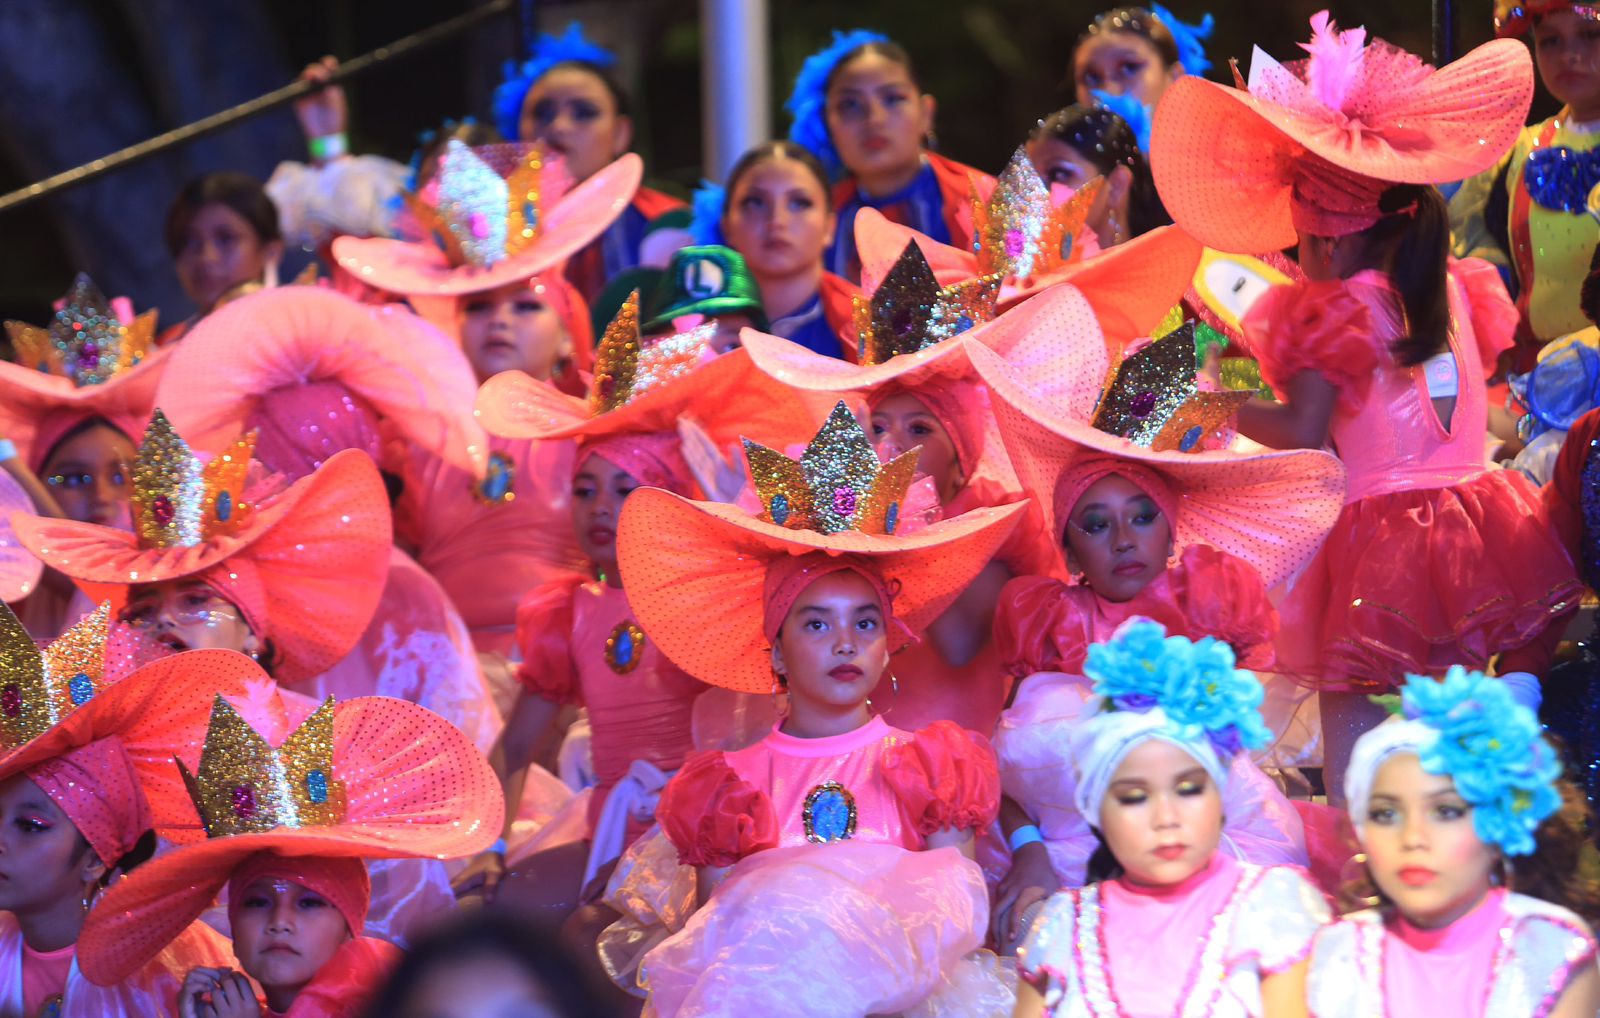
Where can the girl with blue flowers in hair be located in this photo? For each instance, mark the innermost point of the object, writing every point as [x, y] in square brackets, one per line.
[1444, 798]
[1152, 763]
[858, 107]
[567, 98]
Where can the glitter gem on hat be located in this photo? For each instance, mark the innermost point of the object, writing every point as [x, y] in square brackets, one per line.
[1152, 399]
[838, 483]
[38, 689]
[245, 786]
[910, 311]
[86, 341]
[178, 502]
[1019, 232]
[481, 217]
[625, 367]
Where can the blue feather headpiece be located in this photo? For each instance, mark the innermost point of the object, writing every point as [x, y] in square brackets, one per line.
[809, 99]
[709, 203]
[1133, 112]
[569, 47]
[1190, 39]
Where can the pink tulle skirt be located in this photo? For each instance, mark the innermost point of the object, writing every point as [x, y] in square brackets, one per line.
[1415, 581]
[842, 929]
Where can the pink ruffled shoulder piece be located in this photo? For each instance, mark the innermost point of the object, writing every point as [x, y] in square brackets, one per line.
[1315, 326]
[1222, 595]
[544, 633]
[347, 984]
[1040, 625]
[1492, 314]
[945, 777]
[713, 816]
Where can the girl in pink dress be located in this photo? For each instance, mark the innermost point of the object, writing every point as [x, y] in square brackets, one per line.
[1381, 353]
[86, 778]
[859, 834]
[578, 636]
[920, 390]
[1151, 764]
[1445, 799]
[1190, 539]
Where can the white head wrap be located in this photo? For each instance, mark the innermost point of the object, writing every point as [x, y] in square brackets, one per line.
[1104, 740]
[1394, 736]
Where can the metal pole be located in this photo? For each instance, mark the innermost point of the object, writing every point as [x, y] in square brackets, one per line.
[261, 104]
[1444, 32]
[735, 80]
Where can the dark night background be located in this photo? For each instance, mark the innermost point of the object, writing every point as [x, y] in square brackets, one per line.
[81, 78]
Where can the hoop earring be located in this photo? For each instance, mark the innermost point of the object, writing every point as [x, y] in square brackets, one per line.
[779, 695]
[894, 684]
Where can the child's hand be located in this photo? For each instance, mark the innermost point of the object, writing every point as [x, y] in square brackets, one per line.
[217, 993]
[321, 113]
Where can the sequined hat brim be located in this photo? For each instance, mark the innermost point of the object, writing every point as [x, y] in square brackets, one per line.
[28, 397]
[695, 573]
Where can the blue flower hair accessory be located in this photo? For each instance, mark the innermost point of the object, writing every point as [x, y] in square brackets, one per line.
[1492, 748]
[1133, 113]
[571, 46]
[1194, 682]
[709, 203]
[1190, 39]
[808, 101]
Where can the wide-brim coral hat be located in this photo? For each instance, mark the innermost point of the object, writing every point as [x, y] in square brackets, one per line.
[1271, 509]
[262, 347]
[570, 223]
[1225, 159]
[156, 711]
[31, 402]
[414, 786]
[19, 568]
[696, 570]
[308, 564]
[1132, 286]
[725, 395]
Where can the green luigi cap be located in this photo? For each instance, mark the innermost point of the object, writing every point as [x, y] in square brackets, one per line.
[708, 280]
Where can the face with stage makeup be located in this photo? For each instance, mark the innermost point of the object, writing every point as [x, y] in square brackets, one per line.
[878, 117]
[46, 865]
[833, 645]
[599, 488]
[89, 473]
[1121, 63]
[189, 614]
[571, 110]
[1162, 814]
[779, 217]
[512, 328]
[1566, 47]
[1117, 537]
[284, 933]
[902, 422]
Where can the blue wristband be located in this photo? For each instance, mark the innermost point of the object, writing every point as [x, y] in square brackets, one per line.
[499, 847]
[8, 450]
[1027, 834]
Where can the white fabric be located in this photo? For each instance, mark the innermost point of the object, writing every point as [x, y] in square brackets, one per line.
[353, 195]
[1395, 735]
[633, 797]
[1101, 743]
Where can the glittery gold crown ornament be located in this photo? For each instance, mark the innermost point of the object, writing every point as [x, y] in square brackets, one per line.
[910, 311]
[626, 366]
[39, 689]
[1151, 398]
[1019, 232]
[86, 341]
[837, 484]
[178, 502]
[245, 786]
[480, 215]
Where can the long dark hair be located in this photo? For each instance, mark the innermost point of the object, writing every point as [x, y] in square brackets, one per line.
[1412, 243]
[1106, 141]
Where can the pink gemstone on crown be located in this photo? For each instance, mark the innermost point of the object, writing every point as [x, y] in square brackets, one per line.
[244, 800]
[11, 700]
[1014, 243]
[162, 510]
[479, 224]
[844, 501]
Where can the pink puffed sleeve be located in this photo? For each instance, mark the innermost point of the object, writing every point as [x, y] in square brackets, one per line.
[1494, 317]
[544, 634]
[713, 816]
[945, 777]
[1315, 326]
[1222, 595]
[1039, 627]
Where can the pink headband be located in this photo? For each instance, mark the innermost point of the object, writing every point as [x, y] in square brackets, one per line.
[344, 882]
[655, 460]
[958, 404]
[789, 577]
[1329, 201]
[96, 787]
[301, 427]
[1081, 476]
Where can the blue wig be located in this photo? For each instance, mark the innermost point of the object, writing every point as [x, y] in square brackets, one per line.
[570, 47]
[808, 102]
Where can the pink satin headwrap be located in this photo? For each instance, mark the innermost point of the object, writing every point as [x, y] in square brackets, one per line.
[573, 311]
[52, 428]
[655, 460]
[789, 576]
[344, 882]
[957, 403]
[1328, 201]
[96, 787]
[1078, 478]
[303, 426]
